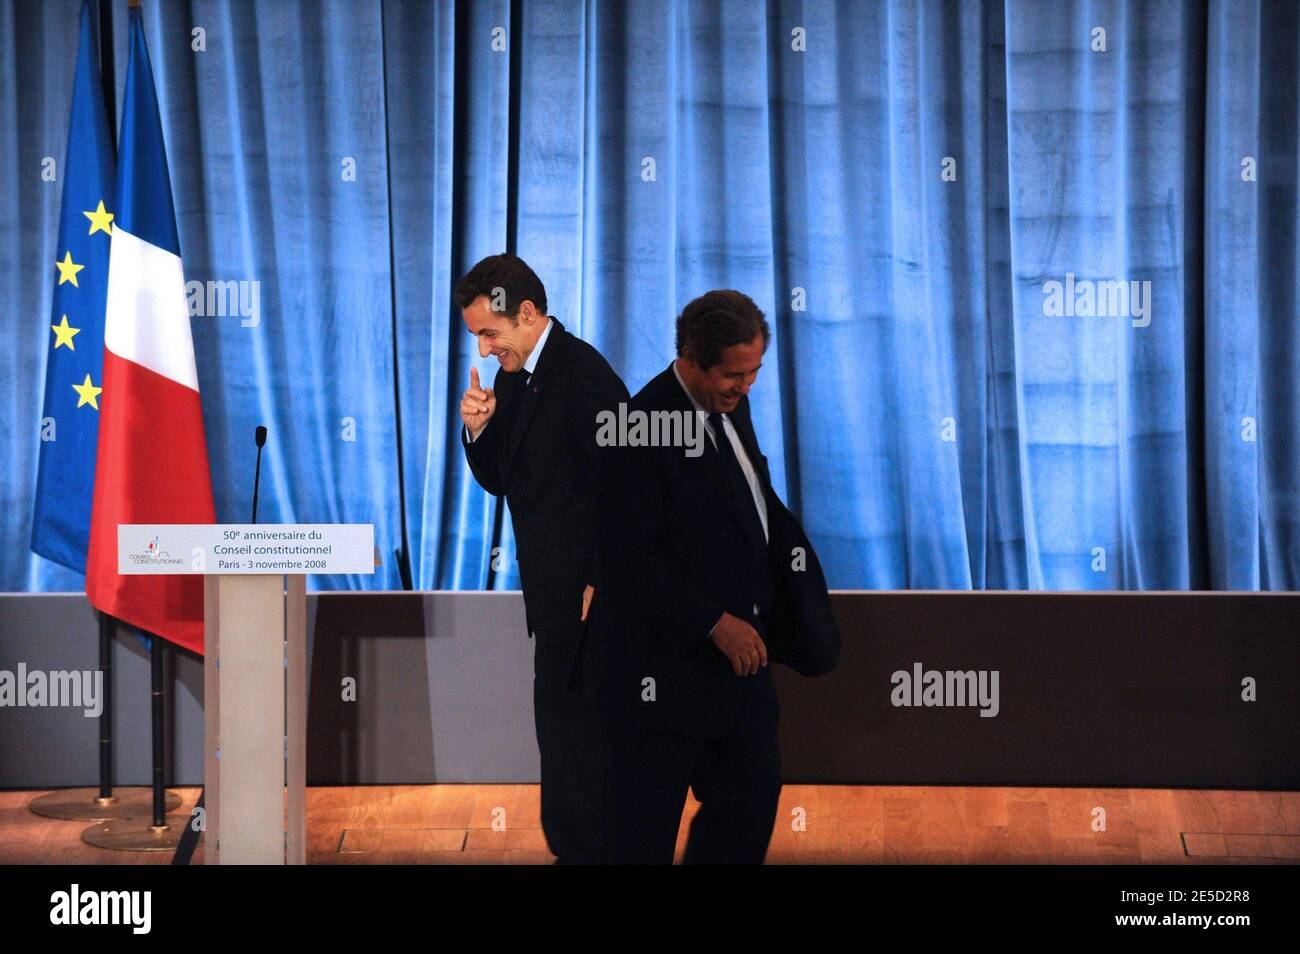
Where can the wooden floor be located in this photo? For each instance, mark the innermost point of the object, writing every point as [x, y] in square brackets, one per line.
[498, 824]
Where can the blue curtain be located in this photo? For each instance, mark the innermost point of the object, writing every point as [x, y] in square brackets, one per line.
[1031, 267]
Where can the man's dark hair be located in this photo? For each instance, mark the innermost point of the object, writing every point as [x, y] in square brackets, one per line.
[511, 274]
[717, 320]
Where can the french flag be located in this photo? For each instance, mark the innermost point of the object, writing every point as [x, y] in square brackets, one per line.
[152, 462]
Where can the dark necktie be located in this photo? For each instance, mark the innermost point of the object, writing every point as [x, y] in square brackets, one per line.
[744, 496]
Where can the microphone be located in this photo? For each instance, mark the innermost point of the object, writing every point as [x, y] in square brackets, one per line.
[260, 437]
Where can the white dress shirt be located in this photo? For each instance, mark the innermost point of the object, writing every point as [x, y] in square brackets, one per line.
[530, 365]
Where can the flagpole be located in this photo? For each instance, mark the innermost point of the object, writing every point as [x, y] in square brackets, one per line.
[107, 71]
[157, 708]
[158, 712]
[107, 630]
[158, 715]
[107, 624]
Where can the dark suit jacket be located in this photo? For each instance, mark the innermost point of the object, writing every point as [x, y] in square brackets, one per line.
[801, 632]
[539, 450]
[678, 551]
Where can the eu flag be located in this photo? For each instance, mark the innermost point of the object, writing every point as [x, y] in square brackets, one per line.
[75, 357]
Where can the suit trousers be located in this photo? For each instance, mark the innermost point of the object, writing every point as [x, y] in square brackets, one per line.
[571, 742]
[736, 778]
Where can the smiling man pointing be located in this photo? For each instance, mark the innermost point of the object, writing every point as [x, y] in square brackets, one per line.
[531, 437]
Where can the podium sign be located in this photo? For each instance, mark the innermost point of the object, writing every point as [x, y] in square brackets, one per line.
[254, 668]
[276, 548]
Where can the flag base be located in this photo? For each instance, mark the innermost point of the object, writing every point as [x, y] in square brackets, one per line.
[135, 834]
[85, 804]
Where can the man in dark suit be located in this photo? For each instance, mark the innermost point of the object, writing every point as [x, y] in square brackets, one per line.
[532, 438]
[686, 600]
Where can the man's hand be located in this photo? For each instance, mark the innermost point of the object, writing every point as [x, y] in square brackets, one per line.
[586, 601]
[477, 406]
[740, 643]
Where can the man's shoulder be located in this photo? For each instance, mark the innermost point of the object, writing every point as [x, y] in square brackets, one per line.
[660, 392]
[579, 352]
[582, 363]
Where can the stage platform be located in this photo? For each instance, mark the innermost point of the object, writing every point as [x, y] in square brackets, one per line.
[454, 824]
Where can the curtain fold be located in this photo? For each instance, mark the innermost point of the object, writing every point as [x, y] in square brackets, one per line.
[1030, 267]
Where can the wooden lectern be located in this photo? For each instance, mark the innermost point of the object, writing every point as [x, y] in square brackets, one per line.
[254, 668]
[254, 681]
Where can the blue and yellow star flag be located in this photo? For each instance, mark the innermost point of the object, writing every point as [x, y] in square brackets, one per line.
[75, 343]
